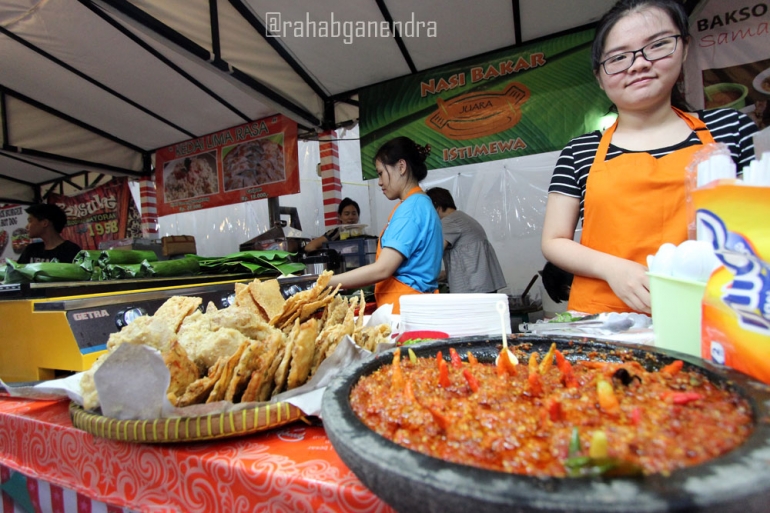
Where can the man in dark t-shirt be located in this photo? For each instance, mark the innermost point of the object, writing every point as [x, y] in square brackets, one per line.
[46, 221]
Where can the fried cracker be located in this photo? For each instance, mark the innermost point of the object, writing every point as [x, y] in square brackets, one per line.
[242, 373]
[264, 373]
[220, 388]
[302, 354]
[200, 389]
[283, 369]
[267, 294]
[347, 328]
[268, 380]
[244, 299]
[337, 315]
[326, 338]
[252, 388]
[176, 308]
[183, 370]
[309, 309]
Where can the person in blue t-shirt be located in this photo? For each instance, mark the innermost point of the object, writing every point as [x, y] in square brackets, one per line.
[411, 244]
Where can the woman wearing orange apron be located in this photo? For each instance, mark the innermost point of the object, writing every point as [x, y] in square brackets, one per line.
[409, 251]
[627, 185]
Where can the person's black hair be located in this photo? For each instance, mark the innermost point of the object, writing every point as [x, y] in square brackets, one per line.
[441, 198]
[404, 148]
[557, 282]
[623, 8]
[346, 202]
[50, 212]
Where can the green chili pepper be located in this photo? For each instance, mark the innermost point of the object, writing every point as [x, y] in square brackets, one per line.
[574, 443]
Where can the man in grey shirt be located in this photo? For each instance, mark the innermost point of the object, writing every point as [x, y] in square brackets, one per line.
[469, 259]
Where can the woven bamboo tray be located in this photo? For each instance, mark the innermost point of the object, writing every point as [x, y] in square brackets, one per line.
[186, 429]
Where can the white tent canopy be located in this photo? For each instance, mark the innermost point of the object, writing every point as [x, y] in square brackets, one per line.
[92, 87]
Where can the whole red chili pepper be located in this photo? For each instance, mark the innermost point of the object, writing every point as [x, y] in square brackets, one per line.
[439, 417]
[397, 380]
[443, 374]
[672, 368]
[682, 397]
[553, 406]
[636, 416]
[457, 363]
[473, 383]
[535, 383]
[567, 376]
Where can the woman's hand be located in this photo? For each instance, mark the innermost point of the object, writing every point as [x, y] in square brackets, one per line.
[315, 244]
[384, 267]
[629, 281]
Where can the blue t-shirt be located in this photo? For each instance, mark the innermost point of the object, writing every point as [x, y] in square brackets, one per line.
[415, 232]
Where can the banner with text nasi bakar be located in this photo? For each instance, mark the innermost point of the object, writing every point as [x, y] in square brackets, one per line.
[518, 101]
[248, 162]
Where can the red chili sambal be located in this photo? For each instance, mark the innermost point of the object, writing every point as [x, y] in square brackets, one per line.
[542, 418]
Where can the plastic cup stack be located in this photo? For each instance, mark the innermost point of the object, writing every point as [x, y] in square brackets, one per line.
[757, 173]
[717, 167]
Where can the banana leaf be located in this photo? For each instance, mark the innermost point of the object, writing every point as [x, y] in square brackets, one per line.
[212, 267]
[289, 267]
[249, 256]
[169, 268]
[121, 272]
[44, 272]
[256, 262]
[120, 257]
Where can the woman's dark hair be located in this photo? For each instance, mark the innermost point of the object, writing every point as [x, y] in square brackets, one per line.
[347, 202]
[404, 148]
[50, 212]
[623, 8]
[441, 198]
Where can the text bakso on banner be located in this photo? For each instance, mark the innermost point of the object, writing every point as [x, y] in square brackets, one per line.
[728, 63]
[96, 215]
[252, 161]
[519, 101]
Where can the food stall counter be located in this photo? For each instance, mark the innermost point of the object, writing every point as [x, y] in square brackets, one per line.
[293, 468]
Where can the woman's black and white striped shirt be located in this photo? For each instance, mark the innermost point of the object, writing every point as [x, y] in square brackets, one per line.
[726, 126]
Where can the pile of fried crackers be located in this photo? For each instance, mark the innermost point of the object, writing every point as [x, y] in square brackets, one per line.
[251, 351]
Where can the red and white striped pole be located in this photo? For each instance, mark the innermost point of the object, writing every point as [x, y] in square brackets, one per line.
[148, 200]
[331, 185]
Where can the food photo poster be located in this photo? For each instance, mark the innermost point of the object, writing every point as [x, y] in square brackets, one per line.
[728, 64]
[13, 232]
[252, 161]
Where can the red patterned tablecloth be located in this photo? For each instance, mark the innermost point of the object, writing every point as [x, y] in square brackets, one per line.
[289, 469]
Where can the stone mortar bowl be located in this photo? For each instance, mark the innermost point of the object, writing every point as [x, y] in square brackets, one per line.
[738, 481]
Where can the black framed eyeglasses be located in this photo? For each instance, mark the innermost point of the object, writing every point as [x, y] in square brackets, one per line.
[658, 49]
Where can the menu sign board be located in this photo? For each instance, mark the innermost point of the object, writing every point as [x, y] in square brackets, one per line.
[13, 232]
[728, 63]
[518, 101]
[252, 161]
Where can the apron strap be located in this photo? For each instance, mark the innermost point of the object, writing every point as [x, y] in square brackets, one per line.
[696, 125]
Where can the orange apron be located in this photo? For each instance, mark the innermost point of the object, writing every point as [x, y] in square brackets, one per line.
[390, 289]
[651, 211]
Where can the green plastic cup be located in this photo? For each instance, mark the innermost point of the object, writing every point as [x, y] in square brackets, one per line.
[676, 313]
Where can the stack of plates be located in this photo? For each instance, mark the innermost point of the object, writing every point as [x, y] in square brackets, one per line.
[459, 315]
